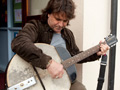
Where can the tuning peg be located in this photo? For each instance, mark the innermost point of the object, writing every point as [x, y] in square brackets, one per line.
[113, 45]
[110, 35]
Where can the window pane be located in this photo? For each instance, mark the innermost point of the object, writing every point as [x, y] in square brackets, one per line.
[35, 6]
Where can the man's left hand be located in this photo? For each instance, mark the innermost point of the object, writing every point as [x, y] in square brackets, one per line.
[103, 49]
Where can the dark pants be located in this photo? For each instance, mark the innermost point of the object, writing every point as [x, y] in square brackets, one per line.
[77, 86]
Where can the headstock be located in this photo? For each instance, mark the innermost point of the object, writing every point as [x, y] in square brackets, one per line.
[111, 40]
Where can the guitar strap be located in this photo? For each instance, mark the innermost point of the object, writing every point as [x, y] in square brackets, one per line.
[39, 77]
[102, 72]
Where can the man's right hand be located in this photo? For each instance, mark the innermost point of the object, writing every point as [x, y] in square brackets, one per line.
[55, 69]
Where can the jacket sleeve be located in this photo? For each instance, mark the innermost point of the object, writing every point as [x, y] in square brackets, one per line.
[24, 46]
[93, 57]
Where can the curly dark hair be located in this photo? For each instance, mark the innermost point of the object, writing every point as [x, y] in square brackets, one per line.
[57, 6]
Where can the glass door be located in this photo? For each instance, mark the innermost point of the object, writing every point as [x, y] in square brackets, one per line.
[32, 9]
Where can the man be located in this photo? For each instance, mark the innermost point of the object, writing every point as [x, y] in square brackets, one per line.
[51, 29]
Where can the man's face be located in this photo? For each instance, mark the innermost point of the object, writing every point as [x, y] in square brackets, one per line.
[57, 22]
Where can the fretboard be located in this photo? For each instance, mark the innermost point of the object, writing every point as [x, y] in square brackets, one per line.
[80, 56]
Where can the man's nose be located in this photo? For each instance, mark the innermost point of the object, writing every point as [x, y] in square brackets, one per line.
[61, 23]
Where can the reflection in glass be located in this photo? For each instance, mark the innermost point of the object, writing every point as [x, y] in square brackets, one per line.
[35, 6]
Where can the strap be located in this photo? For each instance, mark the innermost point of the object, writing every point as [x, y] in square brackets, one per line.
[102, 72]
[39, 77]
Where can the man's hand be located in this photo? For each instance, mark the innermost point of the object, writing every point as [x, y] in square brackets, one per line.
[55, 69]
[103, 49]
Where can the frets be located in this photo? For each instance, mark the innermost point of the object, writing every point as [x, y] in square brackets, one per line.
[80, 56]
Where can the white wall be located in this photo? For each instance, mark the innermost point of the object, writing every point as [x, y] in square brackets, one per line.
[117, 64]
[96, 26]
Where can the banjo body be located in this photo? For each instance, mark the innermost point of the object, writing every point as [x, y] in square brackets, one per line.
[20, 70]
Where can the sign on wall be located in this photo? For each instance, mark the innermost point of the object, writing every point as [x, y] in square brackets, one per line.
[17, 11]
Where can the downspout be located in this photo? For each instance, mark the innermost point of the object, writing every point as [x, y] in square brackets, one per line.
[112, 54]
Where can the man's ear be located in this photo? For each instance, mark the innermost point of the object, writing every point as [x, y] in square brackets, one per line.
[48, 15]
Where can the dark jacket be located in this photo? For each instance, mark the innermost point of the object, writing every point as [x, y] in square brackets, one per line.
[36, 32]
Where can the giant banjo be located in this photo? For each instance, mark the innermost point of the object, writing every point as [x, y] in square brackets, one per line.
[21, 75]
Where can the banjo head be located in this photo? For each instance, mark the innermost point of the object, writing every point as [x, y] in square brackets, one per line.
[19, 70]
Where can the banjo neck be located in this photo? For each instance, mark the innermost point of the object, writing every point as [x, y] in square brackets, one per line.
[80, 56]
